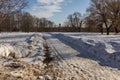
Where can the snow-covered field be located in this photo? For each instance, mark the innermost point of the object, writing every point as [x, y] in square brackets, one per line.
[86, 56]
[20, 55]
[59, 56]
[104, 46]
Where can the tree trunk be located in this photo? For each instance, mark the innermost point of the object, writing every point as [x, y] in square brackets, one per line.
[116, 30]
[79, 29]
[101, 30]
[108, 32]
[80, 26]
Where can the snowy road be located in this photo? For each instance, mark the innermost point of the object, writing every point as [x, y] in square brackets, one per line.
[76, 62]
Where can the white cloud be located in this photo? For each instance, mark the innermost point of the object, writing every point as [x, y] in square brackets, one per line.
[46, 8]
[50, 1]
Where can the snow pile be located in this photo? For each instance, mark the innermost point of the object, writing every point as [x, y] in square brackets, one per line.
[103, 46]
[36, 40]
[15, 51]
[6, 50]
[23, 48]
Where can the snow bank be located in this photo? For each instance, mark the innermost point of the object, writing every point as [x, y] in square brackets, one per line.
[106, 47]
[6, 50]
[23, 48]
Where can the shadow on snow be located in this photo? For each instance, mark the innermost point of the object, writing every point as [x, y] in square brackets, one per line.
[84, 54]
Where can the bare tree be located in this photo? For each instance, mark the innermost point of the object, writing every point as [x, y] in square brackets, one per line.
[107, 11]
[71, 20]
[10, 7]
[78, 20]
[27, 22]
[75, 21]
[113, 7]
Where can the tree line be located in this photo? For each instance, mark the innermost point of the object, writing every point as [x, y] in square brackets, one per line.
[25, 22]
[101, 16]
[105, 15]
[13, 18]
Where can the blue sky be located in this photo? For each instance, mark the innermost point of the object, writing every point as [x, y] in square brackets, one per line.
[56, 10]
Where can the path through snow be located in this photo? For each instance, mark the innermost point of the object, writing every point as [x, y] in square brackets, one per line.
[78, 67]
[72, 56]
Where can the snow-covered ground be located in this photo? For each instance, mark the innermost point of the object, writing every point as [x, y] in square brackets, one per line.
[20, 45]
[61, 56]
[104, 46]
[86, 56]
[20, 55]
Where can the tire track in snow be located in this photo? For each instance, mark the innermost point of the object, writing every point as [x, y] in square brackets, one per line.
[57, 53]
[85, 68]
[71, 68]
